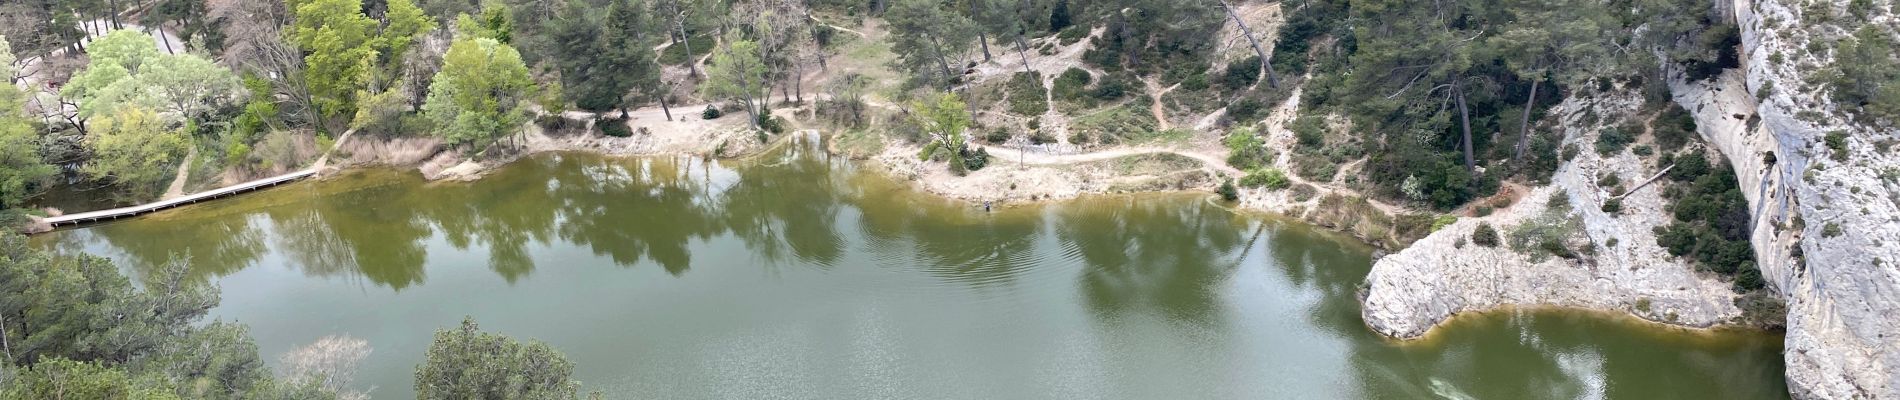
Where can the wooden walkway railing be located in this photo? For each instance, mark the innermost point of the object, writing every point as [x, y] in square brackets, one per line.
[123, 212]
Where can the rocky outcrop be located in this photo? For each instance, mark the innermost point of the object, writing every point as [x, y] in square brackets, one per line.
[1620, 266]
[1826, 220]
[1827, 226]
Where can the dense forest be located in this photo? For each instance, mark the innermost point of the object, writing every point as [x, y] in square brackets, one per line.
[1442, 101]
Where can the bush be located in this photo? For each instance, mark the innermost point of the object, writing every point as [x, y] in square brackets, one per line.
[975, 160]
[771, 124]
[613, 127]
[1227, 191]
[1246, 150]
[1112, 87]
[1072, 85]
[1026, 94]
[1484, 235]
[1241, 74]
[552, 123]
[1837, 145]
[1269, 178]
[1194, 83]
[1310, 130]
[1674, 128]
[1613, 205]
[710, 113]
[1612, 140]
[997, 136]
[1609, 179]
[1246, 109]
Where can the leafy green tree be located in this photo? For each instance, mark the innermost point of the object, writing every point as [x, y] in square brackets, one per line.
[21, 168]
[737, 74]
[466, 363]
[6, 61]
[407, 24]
[340, 48]
[925, 37]
[132, 148]
[61, 378]
[481, 94]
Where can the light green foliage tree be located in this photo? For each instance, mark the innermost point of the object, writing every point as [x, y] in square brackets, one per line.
[407, 24]
[737, 74]
[61, 378]
[482, 93]
[945, 117]
[926, 37]
[466, 363]
[6, 60]
[132, 148]
[496, 21]
[128, 70]
[340, 46]
[21, 168]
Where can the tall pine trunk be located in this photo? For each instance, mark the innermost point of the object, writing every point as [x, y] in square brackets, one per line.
[1022, 49]
[942, 62]
[1266, 61]
[1524, 130]
[982, 38]
[1464, 117]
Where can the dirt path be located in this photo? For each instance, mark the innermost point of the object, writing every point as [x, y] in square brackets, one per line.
[177, 188]
[1211, 162]
[1155, 92]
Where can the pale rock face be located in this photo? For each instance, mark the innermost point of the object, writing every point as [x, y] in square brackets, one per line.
[1417, 288]
[1844, 289]
[1826, 225]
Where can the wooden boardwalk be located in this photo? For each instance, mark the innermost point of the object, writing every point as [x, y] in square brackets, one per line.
[124, 212]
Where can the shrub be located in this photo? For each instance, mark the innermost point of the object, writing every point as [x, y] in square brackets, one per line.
[1241, 74]
[1071, 34]
[1484, 235]
[1227, 191]
[1612, 140]
[1545, 235]
[614, 127]
[975, 160]
[1072, 85]
[1112, 87]
[1195, 82]
[1609, 179]
[1026, 94]
[1674, 128]
[552, 123]
[772, 124]
[1832, 229]
[1613, 205]
[1443, 221]
[1245, 109]
[1245, 149]
[1837, 145]
[997, 136]
[1763, 309]
[1310, 130]
[710, 113]
[1269, 178]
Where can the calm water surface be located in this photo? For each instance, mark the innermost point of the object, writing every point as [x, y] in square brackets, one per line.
[797, 276]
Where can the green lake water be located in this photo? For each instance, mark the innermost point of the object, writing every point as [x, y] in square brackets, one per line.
[796, 275]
